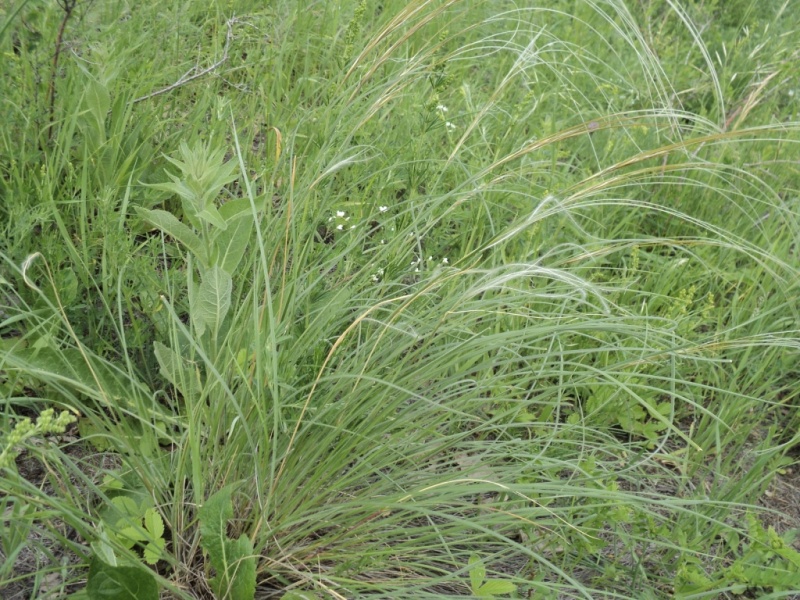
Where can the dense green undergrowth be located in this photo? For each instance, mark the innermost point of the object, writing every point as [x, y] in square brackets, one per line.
[400, 299]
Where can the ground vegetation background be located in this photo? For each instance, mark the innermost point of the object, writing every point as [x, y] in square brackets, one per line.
[399, 299]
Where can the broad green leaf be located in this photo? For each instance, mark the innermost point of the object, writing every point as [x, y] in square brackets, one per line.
[242, 572]
[219, 174]
[17, 525]
[204, 171]
[171, 226]
[494, 588]
[106, 582]
[179, 372]
[234, 561]
[92, 120]
[93, 434]
[122, 518]
[190, 212]
[210, 214]
[102, 550]
[169, 363]
[178, 188]
[236, 208]
[185, 167]
[67, 283]
[212, 300]
[231, 243]
[69, 366]
[214, 516]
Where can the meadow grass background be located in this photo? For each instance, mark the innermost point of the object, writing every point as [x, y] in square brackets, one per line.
[456, 298]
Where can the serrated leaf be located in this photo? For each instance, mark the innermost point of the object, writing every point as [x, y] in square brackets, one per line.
[212, 300]
[153, 551]
[171, 226]
[494, 588]
[477, 572]
[129, 535]
[153, 523]
[127, 506]
[112, 481]
[120, 583]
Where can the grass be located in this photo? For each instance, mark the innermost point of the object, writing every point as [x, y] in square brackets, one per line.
[452, 298]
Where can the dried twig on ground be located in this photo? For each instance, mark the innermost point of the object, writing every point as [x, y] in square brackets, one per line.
[195, 72]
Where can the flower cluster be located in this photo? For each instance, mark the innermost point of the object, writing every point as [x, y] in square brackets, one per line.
[378, 225]
[342, 221]
[25, 429]
[442, 110]
[419, 263]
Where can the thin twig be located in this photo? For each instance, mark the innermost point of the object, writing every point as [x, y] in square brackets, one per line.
[193, 73]
[67, 6]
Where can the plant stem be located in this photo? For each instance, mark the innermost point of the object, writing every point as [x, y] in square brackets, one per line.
[68, 6]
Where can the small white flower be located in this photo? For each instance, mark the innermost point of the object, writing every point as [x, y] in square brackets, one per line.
[339, 213]
[445, 261]
[383, 241]
[430, 258]
[450, 126]
[383, 208]
[340, 227]
[416, 270]
[442, 108]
